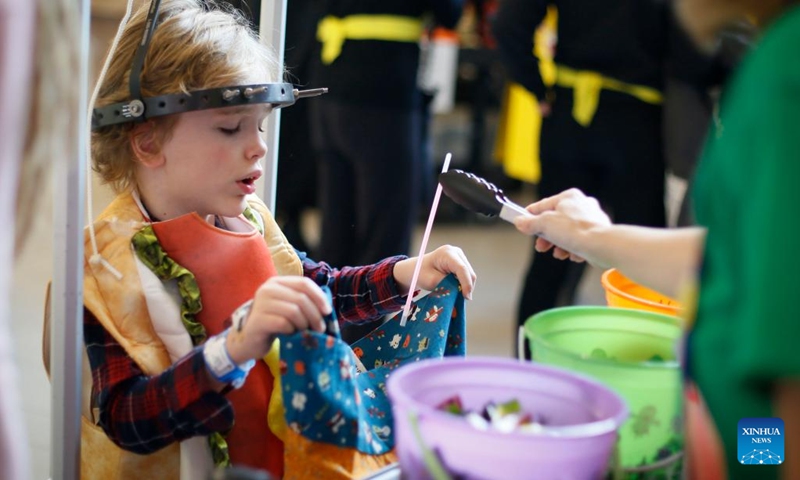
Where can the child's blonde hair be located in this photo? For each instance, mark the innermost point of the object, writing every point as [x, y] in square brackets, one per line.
[196, 45]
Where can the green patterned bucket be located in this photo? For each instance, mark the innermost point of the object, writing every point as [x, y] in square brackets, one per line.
[633, 352]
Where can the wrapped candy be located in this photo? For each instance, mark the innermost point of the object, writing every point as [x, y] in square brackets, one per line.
[503, 417]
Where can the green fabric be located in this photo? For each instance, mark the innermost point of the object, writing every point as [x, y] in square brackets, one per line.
[748, 195]
[149, 251]
[219, 450]
[257, 222]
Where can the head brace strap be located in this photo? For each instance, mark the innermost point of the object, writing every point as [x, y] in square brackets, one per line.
[141, 52]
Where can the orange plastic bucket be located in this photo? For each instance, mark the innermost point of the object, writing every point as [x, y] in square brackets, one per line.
[625, 293]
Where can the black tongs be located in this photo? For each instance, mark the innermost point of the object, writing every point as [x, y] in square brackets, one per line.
[476, 194]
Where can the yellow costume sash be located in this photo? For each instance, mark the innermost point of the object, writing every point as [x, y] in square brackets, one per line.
[519, 128]
[333, 31]
[587, 85]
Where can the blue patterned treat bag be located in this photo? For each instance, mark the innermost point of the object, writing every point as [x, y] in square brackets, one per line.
[335, 393]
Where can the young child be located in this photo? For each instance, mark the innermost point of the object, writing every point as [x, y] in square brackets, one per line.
[191, 279]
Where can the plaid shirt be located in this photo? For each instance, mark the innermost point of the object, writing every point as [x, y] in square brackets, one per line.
[143, 413]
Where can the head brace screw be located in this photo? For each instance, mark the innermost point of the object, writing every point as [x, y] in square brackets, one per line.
[228, 95]
[249, 92]
[134, 109]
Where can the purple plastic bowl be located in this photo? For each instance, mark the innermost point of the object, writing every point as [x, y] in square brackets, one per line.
[581, 416]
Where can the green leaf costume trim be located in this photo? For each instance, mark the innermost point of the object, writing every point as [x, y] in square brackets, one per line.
[253, 218]
[149, 251]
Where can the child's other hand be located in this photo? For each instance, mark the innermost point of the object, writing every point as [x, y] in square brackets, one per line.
[435, 266]
[281, 305]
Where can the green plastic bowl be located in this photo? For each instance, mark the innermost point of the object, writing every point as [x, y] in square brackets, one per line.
[634, 353]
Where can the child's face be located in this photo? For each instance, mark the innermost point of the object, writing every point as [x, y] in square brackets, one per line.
[212, 160]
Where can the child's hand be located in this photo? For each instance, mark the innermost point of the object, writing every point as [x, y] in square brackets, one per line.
[280, 305]
[435, 266]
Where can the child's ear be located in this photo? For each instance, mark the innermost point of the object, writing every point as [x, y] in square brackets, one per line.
[145, 144]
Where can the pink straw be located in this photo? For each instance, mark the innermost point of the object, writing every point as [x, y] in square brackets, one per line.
[424, 245]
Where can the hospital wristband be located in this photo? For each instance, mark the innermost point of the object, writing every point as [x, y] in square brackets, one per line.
[221, 365]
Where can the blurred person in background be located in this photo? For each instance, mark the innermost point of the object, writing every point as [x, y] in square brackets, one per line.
[367, 129]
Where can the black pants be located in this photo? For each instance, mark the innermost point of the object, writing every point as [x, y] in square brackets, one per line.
[618, 159]
[370, 169]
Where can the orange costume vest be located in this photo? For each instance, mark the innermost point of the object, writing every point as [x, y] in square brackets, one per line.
[229, 267]
[120, 305]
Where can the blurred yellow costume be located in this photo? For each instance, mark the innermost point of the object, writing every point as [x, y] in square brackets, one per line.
[517, 142]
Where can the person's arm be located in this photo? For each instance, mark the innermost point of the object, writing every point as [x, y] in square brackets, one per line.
[660, 258]
[361, 293]
[787, 400]
[513, 28]
[143, 413]
[365, 293]
[574, 226]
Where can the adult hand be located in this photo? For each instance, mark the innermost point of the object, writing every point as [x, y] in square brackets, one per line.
[545, 109]
[435, 266]
[281, 305]
[564, 223]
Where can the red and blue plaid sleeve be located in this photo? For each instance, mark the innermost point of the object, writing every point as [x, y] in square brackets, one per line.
[359, 294]
[143, 413]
